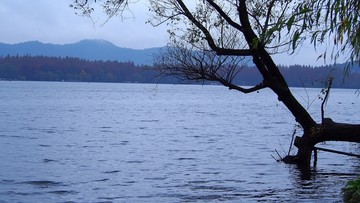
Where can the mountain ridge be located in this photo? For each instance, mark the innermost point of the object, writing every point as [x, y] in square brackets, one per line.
[95, 49]
[88, 49]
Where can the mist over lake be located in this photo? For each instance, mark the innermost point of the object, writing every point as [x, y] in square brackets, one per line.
[99, 142]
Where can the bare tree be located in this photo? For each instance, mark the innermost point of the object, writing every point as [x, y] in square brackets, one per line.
[210, 38]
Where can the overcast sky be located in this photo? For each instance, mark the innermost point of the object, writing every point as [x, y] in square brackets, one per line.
[53, 21]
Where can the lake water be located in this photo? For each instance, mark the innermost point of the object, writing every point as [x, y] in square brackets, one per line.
[96, 142]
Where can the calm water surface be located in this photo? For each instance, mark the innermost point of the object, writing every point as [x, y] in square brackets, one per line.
[80, 142]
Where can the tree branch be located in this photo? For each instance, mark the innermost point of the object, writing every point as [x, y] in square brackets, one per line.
[224, 15]
[247, 90]
[327, 92]
[233, 52]
[209, 38]
[203, 29]
[268, 16]
[332, 131]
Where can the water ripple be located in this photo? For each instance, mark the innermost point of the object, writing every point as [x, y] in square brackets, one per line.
[184, 144]
[63, 192]
[43, 183]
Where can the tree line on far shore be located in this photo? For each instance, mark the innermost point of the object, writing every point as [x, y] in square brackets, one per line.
[43, 68]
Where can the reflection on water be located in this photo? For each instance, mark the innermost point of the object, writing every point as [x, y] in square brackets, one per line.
[80, 142]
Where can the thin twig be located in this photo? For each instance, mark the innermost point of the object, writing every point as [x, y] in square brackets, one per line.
[292, 140]
[278, 154]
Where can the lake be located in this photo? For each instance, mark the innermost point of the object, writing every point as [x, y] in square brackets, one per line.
[104, 142]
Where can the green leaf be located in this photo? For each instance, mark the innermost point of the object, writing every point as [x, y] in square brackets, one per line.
[304, 10]
[290, 22]
[295, 39]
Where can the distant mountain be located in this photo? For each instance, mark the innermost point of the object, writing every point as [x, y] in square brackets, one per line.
[85, 49]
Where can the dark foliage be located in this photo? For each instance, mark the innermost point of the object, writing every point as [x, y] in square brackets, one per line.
[41, 68]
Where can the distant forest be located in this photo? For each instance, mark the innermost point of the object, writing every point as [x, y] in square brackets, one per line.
[41, 68]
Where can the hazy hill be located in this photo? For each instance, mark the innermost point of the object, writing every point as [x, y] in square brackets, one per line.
[85, 49]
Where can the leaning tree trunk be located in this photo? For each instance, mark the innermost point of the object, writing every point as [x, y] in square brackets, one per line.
[278, 85]
[313, 132]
